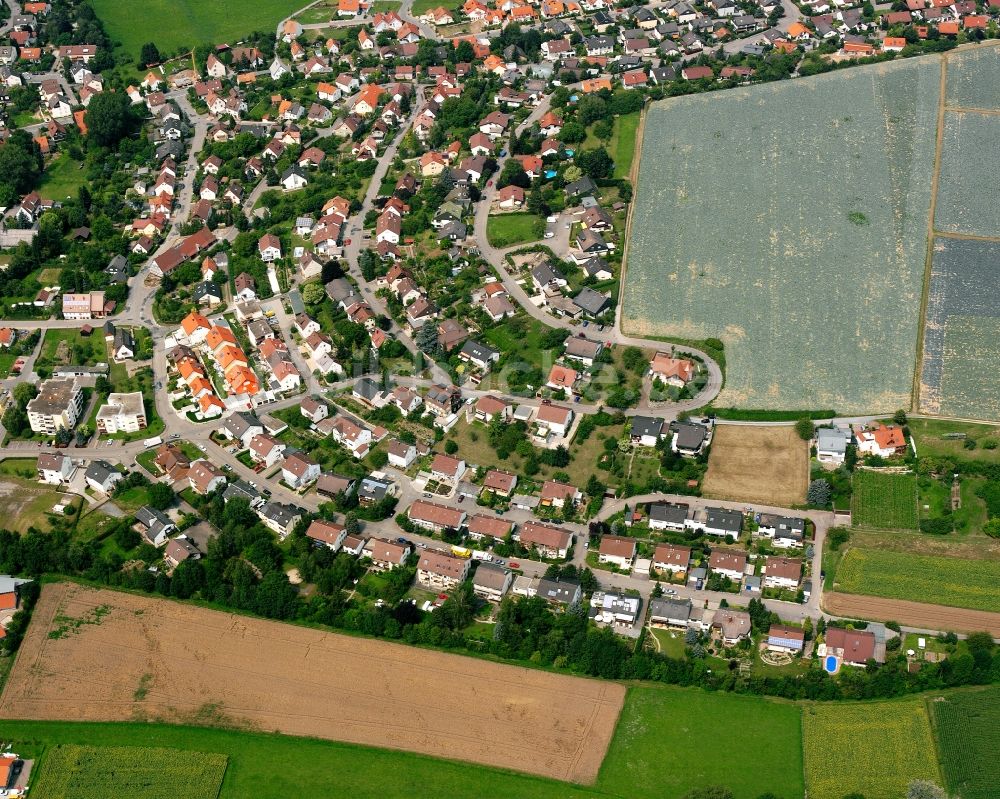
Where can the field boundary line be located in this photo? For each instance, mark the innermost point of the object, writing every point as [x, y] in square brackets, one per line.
[918, 370]
[964, 109]
[633, 177]
[943, 234]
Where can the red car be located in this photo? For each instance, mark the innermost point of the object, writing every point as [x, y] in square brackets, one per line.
[347, 242]
[514, 565]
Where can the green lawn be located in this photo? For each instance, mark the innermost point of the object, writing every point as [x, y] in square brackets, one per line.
[26, 503]
[80, 350]
[622, 145]
[956, 582]
[967, 725]
[129, 772]
[929, 438]
[875, 749]
[423, 6]
[671, 740]
[265, 766]
[884, 500]
[173, 24]
[62, 178]
[506, 230]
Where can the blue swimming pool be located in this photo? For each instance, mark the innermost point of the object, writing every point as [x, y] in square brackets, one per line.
[830, 664]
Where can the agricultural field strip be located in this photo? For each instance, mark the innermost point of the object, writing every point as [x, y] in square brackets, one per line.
[896, 575]
[876, 234]
[840, 736]
[912, 614]
[967, 727]
[95, 772]
[885, 500]
[554, 731]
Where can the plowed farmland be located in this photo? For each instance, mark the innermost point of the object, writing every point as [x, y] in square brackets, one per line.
[98, 655]
[791, 220]
[769, 465]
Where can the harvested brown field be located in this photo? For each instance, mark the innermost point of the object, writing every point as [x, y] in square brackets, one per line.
[98, 655]
[911, 614]
[765, 464]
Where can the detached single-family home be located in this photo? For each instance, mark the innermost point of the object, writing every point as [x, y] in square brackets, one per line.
[326, 534]
[785, 531]
[491, 582]
[882, 440]
[432, 516]
[667, 516]
[729, 564]
[671, 558]
[781, 572]
[299, 470]
[617, 551]
[781, 638]
[646, 430]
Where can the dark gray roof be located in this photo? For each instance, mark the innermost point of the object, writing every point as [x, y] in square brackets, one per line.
[783, 524]
[590, 301]
[563, 591]
[722, 519]
[279, 513]
[646, 426]
[207, 289]
[481, 352]
[668, 513]
[584, 185]
[679, 609]
[239, 489]
[367, 388]
[690, 436]
[99, 471]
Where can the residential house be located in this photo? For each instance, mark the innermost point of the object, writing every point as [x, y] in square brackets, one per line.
[729, 564]
[326, 534]
[441, 571]
[432, 516]
[265, 448]
[279, 518]
[501, 484]
[785, 531]
[385, 555]
[670, 613]
[646, 430]
[554, 420]
[551, 542]
[401, 454]
[781, 572]
[831, 444]
[881, 440]
[672, 371]
[54, 468]
[154, 525]
[671, 558]
[101, 476]
[445, 467]
[617, 551]
[853, 647]
[556, 494]
[491, 582]
[299, 470]
[733, 625]
[559, 592]
[782, 638]
[688, 438]
[205, 477]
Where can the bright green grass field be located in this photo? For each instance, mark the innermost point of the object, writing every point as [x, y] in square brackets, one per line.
[128, 772]
[671, 740]
[967, 724]
[185, 23]
[884, 500]
[266, 766]
[505, 230]
[875, 749]
[623, 142]
[956, 582]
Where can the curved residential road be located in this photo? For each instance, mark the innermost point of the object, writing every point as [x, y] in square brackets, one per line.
[611, 333]
[823, 520]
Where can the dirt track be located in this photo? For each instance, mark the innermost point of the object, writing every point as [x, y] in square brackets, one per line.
[119, 656]
[912, 614]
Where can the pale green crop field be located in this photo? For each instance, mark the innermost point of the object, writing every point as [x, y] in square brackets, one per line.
[790, 220]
